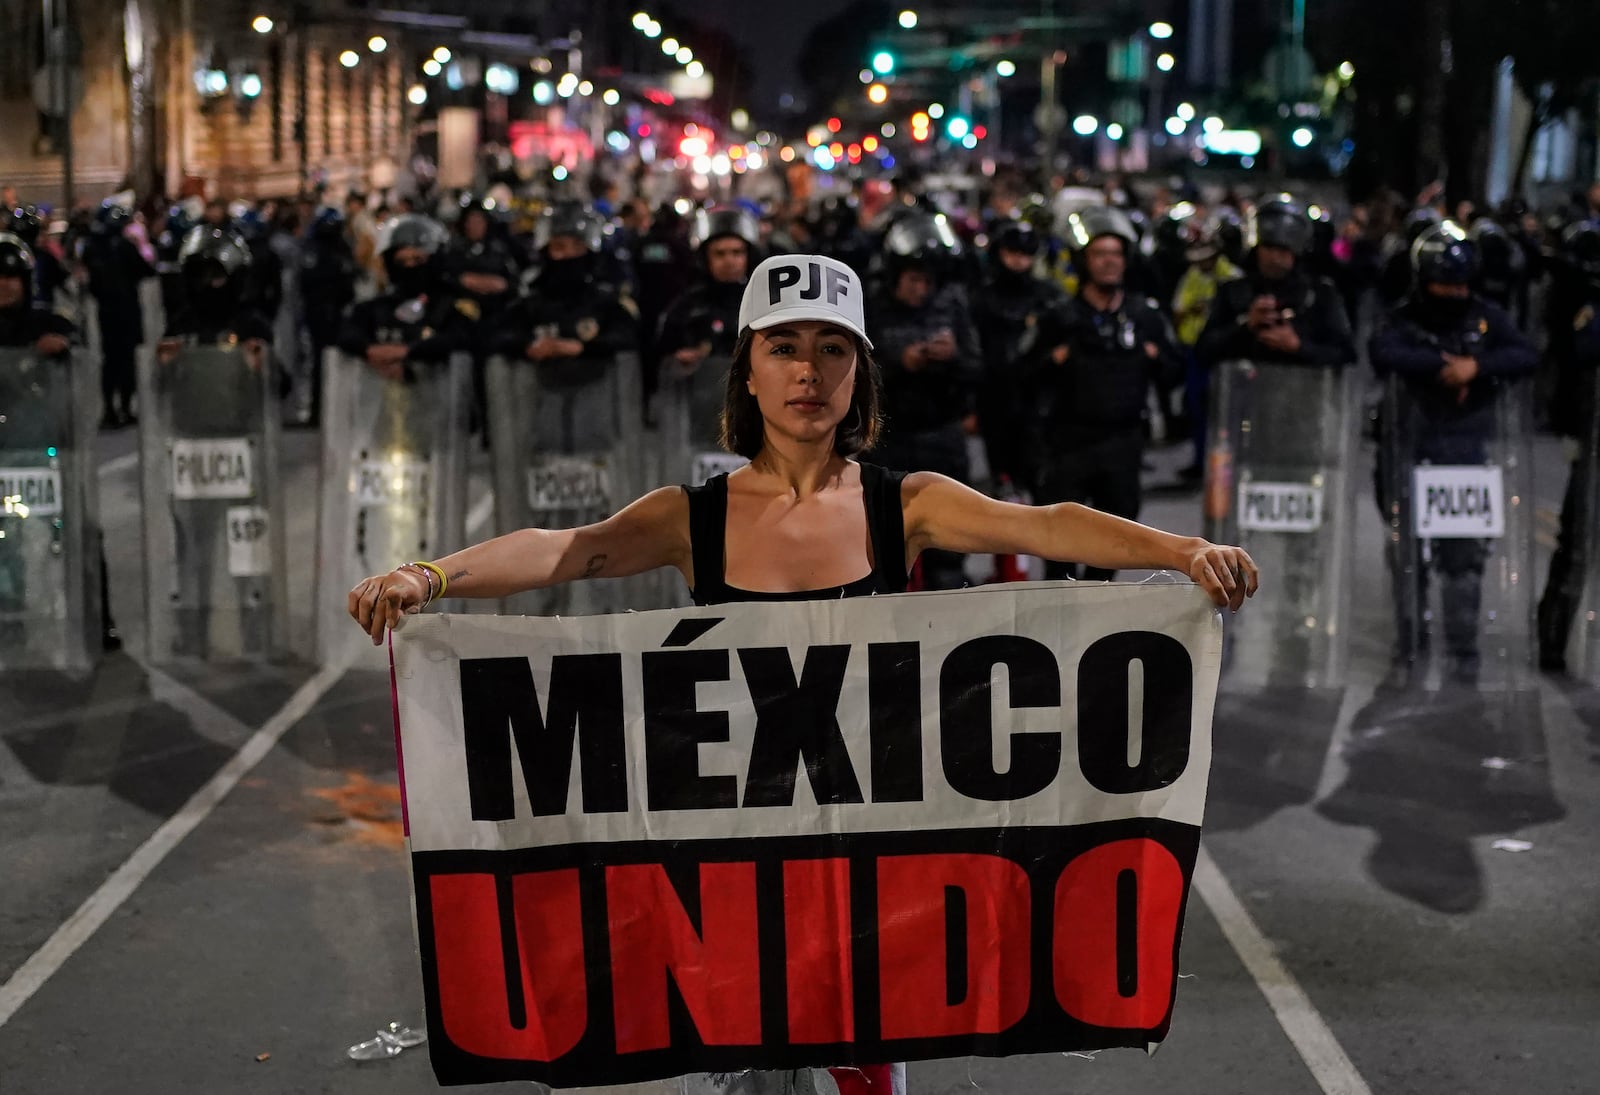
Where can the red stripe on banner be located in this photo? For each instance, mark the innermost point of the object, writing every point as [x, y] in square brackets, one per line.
[399, 753]
[817, 941]
[1117, 915]
[864, 1080]
[717, 970]
[544, 1014]
[931, 905]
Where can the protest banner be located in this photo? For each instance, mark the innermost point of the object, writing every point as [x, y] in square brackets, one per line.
[804, 834]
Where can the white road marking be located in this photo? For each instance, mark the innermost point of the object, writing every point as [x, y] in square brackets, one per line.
[119, 464]
[1318, 1048]
[104, 902]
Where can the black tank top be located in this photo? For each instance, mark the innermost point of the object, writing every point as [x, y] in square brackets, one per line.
[708, 520]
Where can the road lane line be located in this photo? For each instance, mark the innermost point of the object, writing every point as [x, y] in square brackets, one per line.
[1318, 1048]
[120, 885]
[118, 464]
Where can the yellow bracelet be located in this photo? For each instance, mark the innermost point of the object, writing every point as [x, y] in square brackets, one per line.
[444, 583]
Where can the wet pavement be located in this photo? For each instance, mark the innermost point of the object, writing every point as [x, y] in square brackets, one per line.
[1404, 896]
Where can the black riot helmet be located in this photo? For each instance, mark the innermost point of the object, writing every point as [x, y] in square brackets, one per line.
[1419, 221]
[1018, 236]
[578, 220]
[831, 217]
[1502, 263]
[25, 222]
[410, 246]
[1444, 255]
[724, 220]
[1227, 229]
[1093, 222]
[327, 225]
[921, 240]
[112, 218]
[215, 263]
[1580, 248]
[16, 259]
[1280, 222]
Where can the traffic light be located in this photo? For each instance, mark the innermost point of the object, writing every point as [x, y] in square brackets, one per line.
[957, 127]
[883, 62]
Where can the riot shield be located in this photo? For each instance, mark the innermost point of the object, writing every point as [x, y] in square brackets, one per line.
[1455, 481]
[690, 422]
[394, 478]
[1279, 485]
[567, 451]
[50, 564]
[1582, 526]
[216, 573]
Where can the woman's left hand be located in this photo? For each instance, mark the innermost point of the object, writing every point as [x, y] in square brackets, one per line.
[1227, 574]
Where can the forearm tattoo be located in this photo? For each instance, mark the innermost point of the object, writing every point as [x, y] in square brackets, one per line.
[460, 574]
[595, 565]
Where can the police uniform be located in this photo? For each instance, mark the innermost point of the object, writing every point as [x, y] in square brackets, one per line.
[1318, 319]
[1089, 433]
[1452, 430]
[570, 305]
[213, 302]
[418, 311]
[1020, 318]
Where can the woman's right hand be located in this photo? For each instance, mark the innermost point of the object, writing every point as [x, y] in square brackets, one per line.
[381, 602]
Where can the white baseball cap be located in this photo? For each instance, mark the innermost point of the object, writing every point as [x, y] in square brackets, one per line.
[791, 288]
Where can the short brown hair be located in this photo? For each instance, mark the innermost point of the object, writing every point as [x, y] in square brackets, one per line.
[744, 430]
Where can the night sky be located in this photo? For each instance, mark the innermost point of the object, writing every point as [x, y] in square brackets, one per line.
[773, 33]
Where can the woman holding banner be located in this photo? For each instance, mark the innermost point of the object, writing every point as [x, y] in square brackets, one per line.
[804, 520]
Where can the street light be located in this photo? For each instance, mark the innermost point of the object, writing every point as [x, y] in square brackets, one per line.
[431, 67]
[669, 46]
[1114, 131]
[936, 110]
[641, 20]
[1347, 71]
[585, 89]
[684, 55]
[377, 43]
[1084, 125]
[1185, 111]
[349, 58]
[883, 62]
[908, 19]
[1213, 124]
[417, 95]
[877, 94]
[1166, 62]
[866, 76]
[1005, 68]
[261, 24]
[610, 96]
[653, 30]
[1176, 126]
[694, 70]
[1302, 137]
[442, 55]
[1161, 30]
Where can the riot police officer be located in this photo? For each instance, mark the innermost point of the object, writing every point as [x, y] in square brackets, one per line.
[417, 319]
[662, 263]
[926, 344]
[328, 275]
[1397, 277]
[1580, 352]
[834, 224]
[1090, 392]
[1020, 317]
[1452, 349]
[570, 321]
[1502, 266]
[705, 319]
[215, 266]
[1278, 312]
[483, 273]
[115, 269]
[23, 320]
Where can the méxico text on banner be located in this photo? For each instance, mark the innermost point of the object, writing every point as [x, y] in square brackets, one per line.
[789, 835]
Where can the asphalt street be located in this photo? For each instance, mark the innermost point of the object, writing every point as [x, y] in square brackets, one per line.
[1360, 922]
